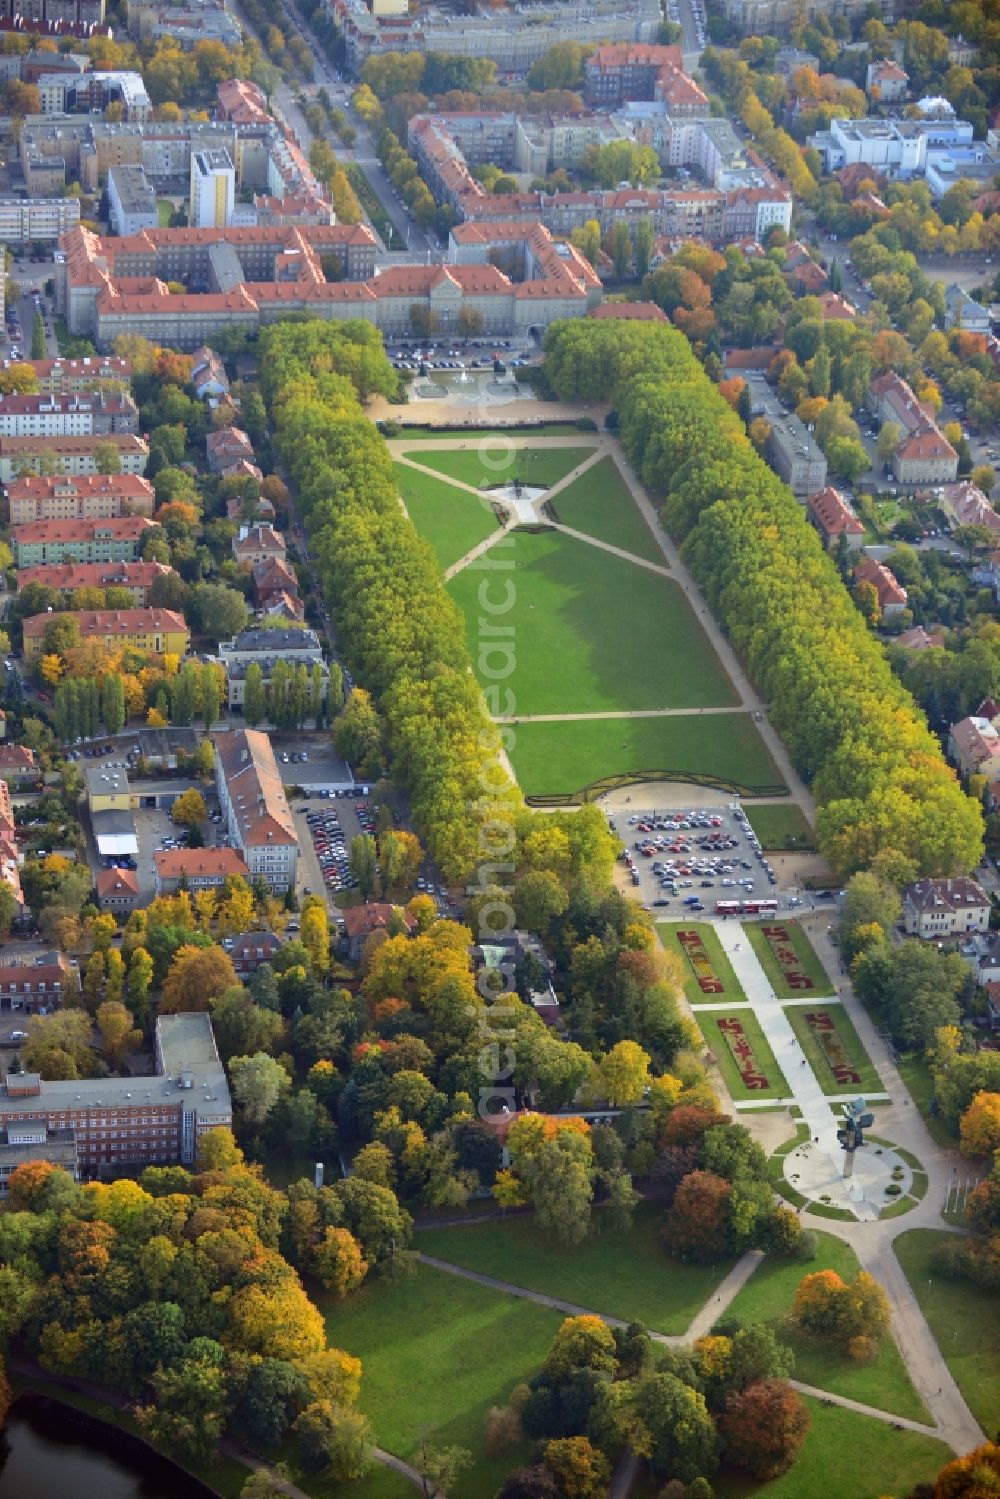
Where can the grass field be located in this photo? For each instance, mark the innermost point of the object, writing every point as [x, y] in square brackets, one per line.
[964, 1320]
[164, 212]
[781, 827]
[768, 1297]
[732, 988]
[536, 467]
[437, 1353]
[594, 633]
[564, 759]
[916, 1074]
[656, 1290]
[600, 504]
[708, 1021]
[451, 519]
[846, 1456]
[849, 1039]
[807, 957]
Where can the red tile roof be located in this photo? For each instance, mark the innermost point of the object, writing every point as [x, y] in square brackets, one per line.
[199, 863]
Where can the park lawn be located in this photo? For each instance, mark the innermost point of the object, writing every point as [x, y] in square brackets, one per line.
[379, 1482]
[503, 460]
[964, 1320]
[916, 1074]
[845, 1456]
[451, 519]
[437, 1352]
[708, 1023]
[768, 1296]
[564, 759]
[732, 989]
[658, 1291]
[784, 828]
[600, 504]
[870, 1082]
[804, 951]
[591, 632]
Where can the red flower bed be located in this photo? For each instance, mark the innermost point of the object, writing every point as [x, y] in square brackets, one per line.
[780, 943]
[824, 1028]
[701, 964]
[736, 1039]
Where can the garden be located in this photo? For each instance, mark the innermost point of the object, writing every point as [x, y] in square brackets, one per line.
[708, 973]
[833, 1048]
[745, 1059]
[788, 958]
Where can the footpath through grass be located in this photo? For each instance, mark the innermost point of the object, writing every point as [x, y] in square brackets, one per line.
[565, 759]
[964, 1319]
[437, 1352]
[843, 1046]
[471, 434]
[619, 1275]
[803, 963]
[600, 504]
[768, 1297]
[722, 968]
[452, 520]
[593, 633]
[761, 1066]
[846, 1456]
[478, 465]
[781, 827]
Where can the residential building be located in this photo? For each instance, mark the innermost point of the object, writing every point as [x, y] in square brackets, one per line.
[208, 375]
[119, 539]
[360, 922]
[776, 17]
[886, 81]
[933, 909]
[249, 950]
[152, 631]
[241, 101]
[265, 648]
[254, 806]
[138, 1121]
[31, 1141]
[892, 596]
[965, 504]
[974, 746]
[72, 456]
[925, 457]
[17, 761]
[87, 497]
[834, 518]
[197, 868]
[28, 220]
[67, 416]
[792, 450]
[227, 446]
[131, 201]
[258, 543]
[10, 852]
[919, 639]
[962, 310]
[118, 890]
[273, 577]
[67, 577]
[212, 189]
[66, 91]
[615, 73]
[41, 984]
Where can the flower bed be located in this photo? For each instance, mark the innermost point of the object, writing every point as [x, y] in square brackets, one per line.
[701, 964]
[780, 942]
[824, 1028]
[743, 1055]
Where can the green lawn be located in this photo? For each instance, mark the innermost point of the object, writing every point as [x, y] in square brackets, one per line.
[965, 1321]
[708, 1021]
[164, 212]
[437, 1353]
[600, 503]
[768, 1296]
[804, 951]
[656, 1290]
[593, 633]
[452, 520]
[846, 1456]
[521, 434]
[916, 1074]
[781, 827]
[492, 462]
[732, 989]
[850, 1041]
[564, 759]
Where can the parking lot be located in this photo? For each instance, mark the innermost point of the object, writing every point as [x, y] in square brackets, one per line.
[326, 827]
[678, 861]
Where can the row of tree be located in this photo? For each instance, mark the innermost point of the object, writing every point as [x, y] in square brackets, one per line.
[886, 796]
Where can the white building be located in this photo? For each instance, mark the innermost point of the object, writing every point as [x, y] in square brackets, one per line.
[213, 190]
[131, 201]
[945, 908]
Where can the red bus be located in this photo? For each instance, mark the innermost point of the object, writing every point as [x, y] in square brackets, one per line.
[728, 907]
[760, 907]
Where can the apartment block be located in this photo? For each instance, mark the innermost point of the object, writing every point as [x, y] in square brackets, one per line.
[265, 648]
[158, 632]
[73, 457]
[61, 377]
[67, 416]
[24, 220]
[44, 983]
[67, 577]
[116, 540]
[212, 189]
[87, 497]
[131, 201]
[197, 868]
[254, 806]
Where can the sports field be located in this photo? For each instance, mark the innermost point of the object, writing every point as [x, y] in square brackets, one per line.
[452, 520]
[564, 759]
[600, 504]
[501, 462]
[593, 633]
